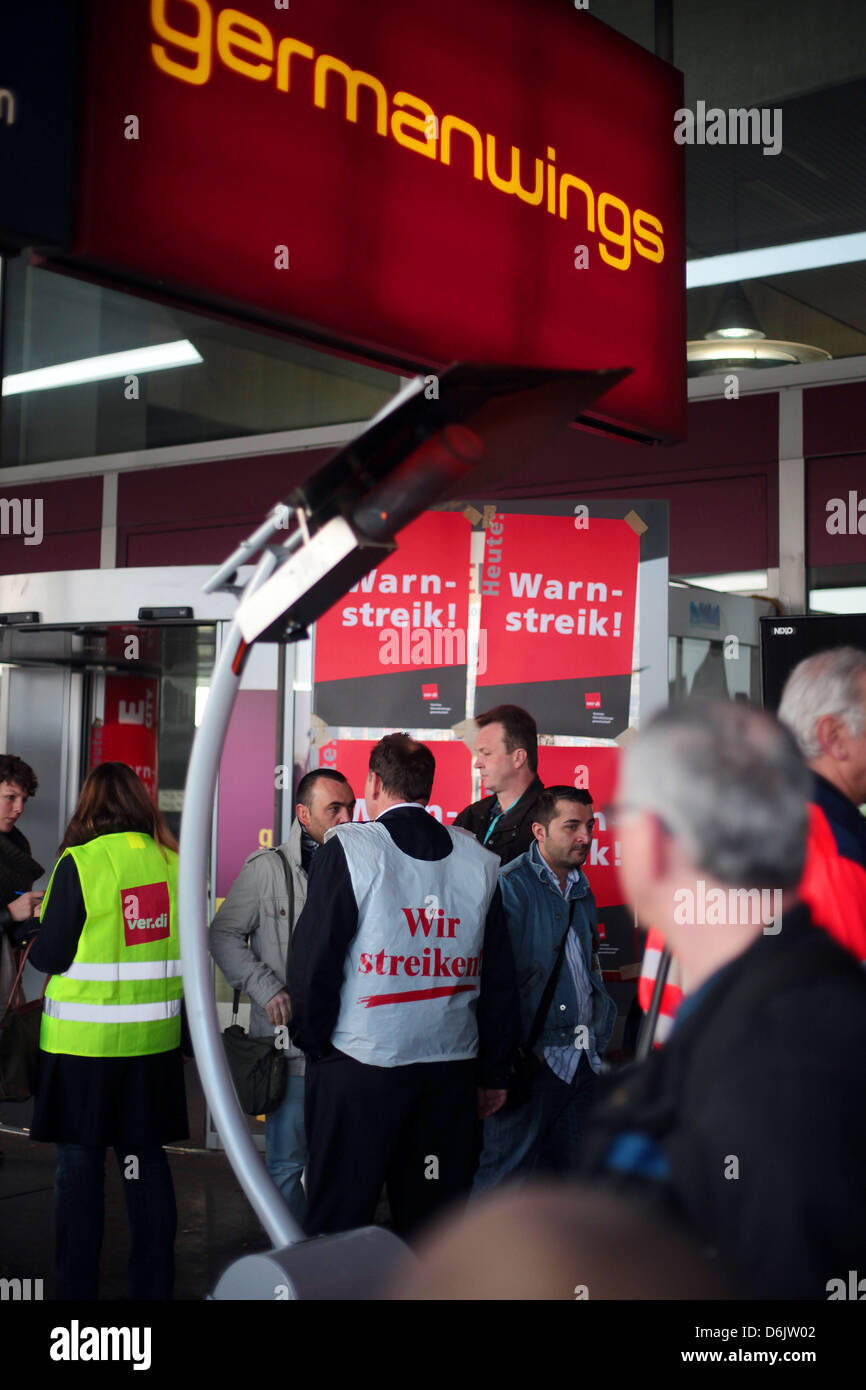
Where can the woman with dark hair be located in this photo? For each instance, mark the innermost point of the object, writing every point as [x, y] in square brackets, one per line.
[111, 1071]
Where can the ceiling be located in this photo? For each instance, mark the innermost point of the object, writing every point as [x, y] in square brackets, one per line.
[808, 60]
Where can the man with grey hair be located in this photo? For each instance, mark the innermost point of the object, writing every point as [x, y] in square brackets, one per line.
[824, 704]
[750, 1123]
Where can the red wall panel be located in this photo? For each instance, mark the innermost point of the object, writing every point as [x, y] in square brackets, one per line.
[71, 521]
[722, 486]
[826, 479]
[195, 514]
[834, 419]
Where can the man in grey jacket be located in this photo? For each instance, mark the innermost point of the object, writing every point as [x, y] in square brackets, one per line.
[258, 907]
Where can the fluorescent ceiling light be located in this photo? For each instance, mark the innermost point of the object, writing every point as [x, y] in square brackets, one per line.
[776, 260]
[837, 600]
[731, 583]
[201, 694]
[111, 364]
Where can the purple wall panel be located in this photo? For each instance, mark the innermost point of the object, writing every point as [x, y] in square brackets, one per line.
[196, 513]
[834, 419]
[246, 785]
[71, 512]
[722, 486]
[828, 478]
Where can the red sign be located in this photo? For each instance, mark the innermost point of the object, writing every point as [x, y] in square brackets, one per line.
[404, 622]
[128, 733]
[452, 784]
[594, 769]
[145, 913]
[492, 182]
[557, 610]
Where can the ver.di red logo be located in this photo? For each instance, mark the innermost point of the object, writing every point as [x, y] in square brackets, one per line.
[429, 692]
[592, 701]
[145, 913]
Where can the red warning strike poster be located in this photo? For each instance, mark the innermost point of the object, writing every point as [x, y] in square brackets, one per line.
[452, 784]
[392, 651]
[558, 597]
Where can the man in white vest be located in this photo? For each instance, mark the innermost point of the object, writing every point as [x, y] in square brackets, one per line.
[404, 1001]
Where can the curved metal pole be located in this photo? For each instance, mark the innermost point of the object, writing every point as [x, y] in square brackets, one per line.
[263, 1194]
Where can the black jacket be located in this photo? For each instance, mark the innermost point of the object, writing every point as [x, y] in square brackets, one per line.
[330, 919]
[18, 872]
[765, 1069]
[512, 835]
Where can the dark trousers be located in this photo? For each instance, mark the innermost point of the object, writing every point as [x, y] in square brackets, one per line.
[411, 1128]
[542, 1136]
[79, 1190]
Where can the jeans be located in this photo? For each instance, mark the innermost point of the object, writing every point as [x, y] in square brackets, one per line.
[286, 1147]
[150, 1205]
[542, 1136]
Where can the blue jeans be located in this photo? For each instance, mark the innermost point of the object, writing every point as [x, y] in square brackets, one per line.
[286, 1147]
[79, 1187]
[542, 1136]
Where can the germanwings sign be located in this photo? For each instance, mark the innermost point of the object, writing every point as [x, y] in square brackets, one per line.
[494, 182]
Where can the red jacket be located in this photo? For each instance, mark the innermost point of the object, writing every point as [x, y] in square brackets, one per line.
[833, 887]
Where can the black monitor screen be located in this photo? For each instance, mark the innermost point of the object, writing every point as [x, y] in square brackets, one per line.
[785, 641]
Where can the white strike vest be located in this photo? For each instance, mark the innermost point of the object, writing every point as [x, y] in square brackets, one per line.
[413, 969]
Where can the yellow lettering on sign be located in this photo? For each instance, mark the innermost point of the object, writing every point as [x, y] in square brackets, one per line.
[284, 57]
[266, 839]
[658, 252]
[621, 237]
[228, 38]
[239, 39]
[513, 184]
[569, 181]
[354, 79]
[198, 43]
[400, 119]
[450, 123]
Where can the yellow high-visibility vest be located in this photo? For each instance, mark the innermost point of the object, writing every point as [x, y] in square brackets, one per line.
[121, 995]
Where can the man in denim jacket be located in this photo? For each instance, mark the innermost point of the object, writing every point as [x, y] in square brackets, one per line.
[542, 890]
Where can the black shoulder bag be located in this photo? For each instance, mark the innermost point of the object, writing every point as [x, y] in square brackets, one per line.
[258, 1066]
[527, 1063]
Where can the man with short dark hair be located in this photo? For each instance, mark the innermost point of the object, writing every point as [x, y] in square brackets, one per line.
[506, 755]
[251, 941]
[18, 869]
[551, 917]
[406, 1036]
